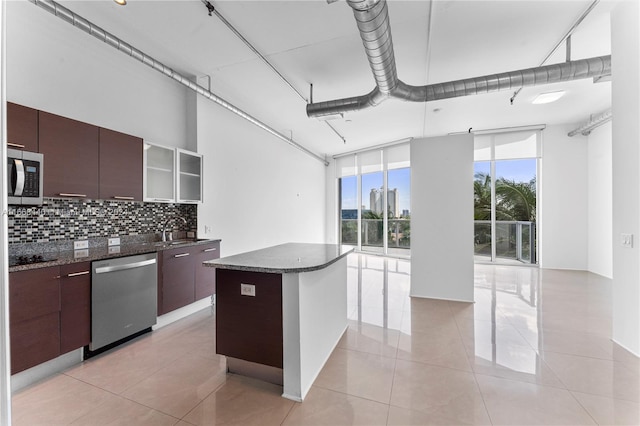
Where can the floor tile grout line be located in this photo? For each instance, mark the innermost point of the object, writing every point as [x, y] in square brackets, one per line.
[349, 394]
[393, 380]
[113, 394]
[293, 407]
[583, 407]
[484, 402]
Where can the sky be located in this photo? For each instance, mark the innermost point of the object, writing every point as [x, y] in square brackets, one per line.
[398, 178]
[518, 170]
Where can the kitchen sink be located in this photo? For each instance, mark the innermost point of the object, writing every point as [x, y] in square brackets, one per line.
[178, 242]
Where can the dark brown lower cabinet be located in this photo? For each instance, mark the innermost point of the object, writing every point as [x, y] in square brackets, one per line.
[178, 279]
[206, 276]
[34, 341]
[182, 279]
[249, 327]
[50, 313]
[34, 317]
[75, 315]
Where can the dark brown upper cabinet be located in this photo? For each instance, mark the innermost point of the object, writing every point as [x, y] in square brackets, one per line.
[22, 127]
[70, 150]
[120, 166]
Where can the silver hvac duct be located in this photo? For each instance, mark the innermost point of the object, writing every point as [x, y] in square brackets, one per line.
[373, 23]
[124, 47]
[594, 122]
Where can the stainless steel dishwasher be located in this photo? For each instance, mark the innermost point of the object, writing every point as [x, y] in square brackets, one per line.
[124, 294]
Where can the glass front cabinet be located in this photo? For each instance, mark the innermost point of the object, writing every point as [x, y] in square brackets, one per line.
[172, 175]
[189, 177]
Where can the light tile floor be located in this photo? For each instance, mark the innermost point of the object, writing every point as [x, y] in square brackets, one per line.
[534, 349]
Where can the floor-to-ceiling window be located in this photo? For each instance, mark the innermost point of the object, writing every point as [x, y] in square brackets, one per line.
[374, 203]
[505, 195]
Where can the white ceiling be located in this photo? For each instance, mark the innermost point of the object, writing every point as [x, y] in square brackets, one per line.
[315, 42]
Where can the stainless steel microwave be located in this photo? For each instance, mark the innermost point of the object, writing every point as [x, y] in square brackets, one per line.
[24, 177]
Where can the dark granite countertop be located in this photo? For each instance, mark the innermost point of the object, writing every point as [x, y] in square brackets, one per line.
[284, 258]
[66, 257]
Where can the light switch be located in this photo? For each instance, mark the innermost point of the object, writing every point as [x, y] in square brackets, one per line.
[247, 289]
[626, 240]
[114, 241]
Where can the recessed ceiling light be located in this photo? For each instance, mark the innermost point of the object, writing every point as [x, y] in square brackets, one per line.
[545, 98]
[121, 2]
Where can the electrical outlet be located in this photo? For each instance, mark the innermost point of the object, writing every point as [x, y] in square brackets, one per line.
[626, 240]
[114, 249]
[247, 289]
[191, 234]
[77, 254]
[115, 241]
[80, 245]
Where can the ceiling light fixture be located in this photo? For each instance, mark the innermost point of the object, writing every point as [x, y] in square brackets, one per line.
[546, 98]
[121, 2]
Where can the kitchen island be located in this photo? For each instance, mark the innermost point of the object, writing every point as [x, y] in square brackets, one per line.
[280, 312]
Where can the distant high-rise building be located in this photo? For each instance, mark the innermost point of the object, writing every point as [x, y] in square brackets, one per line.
[376, 201]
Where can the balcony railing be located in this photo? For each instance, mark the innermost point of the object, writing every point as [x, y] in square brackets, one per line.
[372, 232]
[515, 240]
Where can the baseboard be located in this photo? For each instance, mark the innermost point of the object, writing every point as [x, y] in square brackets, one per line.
[183, 312]
[47, 369]
[625, 348]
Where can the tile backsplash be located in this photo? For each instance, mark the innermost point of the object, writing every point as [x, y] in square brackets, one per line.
[64, 219]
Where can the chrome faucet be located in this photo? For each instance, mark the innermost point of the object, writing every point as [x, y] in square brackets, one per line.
[164, 227]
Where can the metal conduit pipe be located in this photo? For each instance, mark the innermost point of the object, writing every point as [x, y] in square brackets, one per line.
[566, 71]
[594, 122]
[110, 39]
[213, 10]
[372, 19]
[373, 23]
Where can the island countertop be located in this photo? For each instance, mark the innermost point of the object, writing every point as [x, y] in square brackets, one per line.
[283, 258]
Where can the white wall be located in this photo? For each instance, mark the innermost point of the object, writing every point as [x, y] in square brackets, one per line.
[55, 67]
[331, 204]
[441, 218]
[625, 77]
[259, 191]
[563, 200]
[600, 211]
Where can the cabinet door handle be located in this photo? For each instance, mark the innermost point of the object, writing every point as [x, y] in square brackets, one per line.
[209, 249]
[69, 194]
[20, 177]
[182, 255]
[15, 145]
[75, 274]
[162, 199]
[120, 197]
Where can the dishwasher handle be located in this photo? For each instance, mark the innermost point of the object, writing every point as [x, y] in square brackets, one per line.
[114, 268]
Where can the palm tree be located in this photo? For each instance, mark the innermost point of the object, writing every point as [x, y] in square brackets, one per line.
[517, 200]
[482, 196]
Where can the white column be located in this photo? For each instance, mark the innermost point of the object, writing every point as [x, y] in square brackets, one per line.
[625, 53]
[442, 218]
[5, 375]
